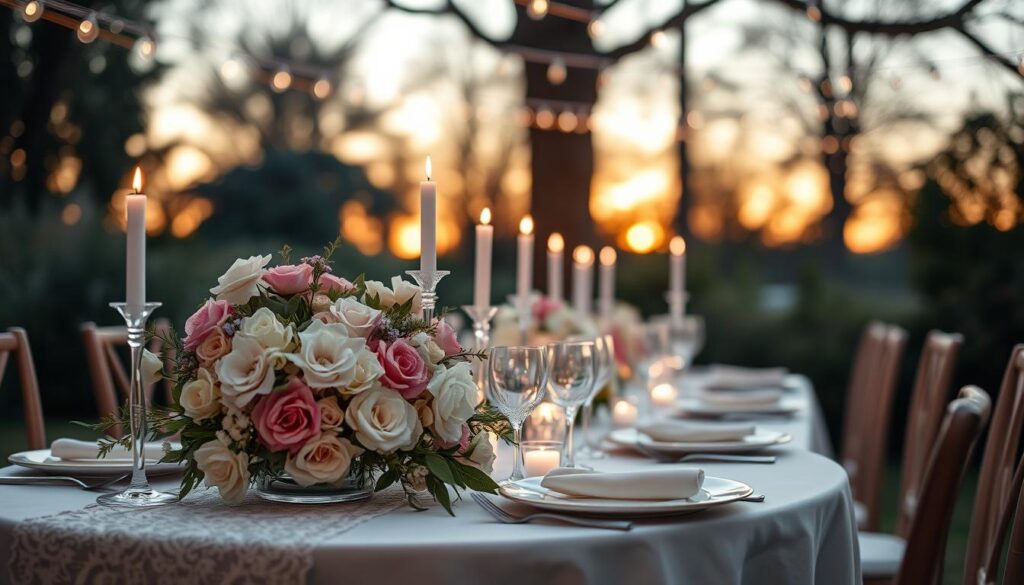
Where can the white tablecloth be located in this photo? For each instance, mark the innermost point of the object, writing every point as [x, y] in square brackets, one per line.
[803, 532]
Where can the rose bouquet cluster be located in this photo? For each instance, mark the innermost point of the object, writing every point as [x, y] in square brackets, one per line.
[291, 371]
[551, 320]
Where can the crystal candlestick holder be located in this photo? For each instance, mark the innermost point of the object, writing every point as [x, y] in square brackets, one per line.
[524, 316]
[677, 305]
[138, 494]
[481, 317]
[427, 282]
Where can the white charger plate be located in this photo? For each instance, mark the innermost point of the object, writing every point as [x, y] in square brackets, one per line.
[759, 440]
[41, 460]
[695, 407]
[716, 491]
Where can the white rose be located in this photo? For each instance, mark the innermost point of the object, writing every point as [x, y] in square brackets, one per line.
[239, 283]
[152, 368]
[366, 372]
[406, 290]
[200, 397]
[246, 371]
[327, 355]
[325, 459]
[357, 317]
[331, 414]
[224, 469]
[384, 294]
[454, 395]
[384, 421]
[428, 349]
[235, 424]
[264, 327]
[480, 453]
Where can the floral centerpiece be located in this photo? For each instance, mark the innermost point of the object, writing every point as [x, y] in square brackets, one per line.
[551, 320]
[292, 371]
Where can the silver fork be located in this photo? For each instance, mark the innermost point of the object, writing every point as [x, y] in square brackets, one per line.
[709, 457]
[60, 480]
[504, 517]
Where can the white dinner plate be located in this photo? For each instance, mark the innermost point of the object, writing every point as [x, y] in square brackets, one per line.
[695, 407]
[716, 491]
[40, 460]
[760, 439]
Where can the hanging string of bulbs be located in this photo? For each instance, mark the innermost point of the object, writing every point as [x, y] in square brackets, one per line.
[283, 75]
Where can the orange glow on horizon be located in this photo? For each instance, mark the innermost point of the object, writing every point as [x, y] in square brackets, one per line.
[644, 237]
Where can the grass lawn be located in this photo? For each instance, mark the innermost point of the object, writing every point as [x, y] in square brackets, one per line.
[12, 440]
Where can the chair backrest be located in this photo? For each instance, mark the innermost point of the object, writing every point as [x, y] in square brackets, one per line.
[927, 403]
[999, 467]
[964, 422]
[868, 411]
[110, 378]
[1015, 552]
[16, 341]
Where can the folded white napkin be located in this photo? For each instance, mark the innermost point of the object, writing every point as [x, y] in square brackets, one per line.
[665, 483]
[673, 431]
[75, 450]
[739, 378]
[742, 399]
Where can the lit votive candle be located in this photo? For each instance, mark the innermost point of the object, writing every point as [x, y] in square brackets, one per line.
[540, 457]
[624, 413]
[663, 395]
[546, 422]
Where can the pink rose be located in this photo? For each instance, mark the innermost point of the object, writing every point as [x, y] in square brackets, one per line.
[203, 322]
[463, 441]
[330, 283]
[215, 346]
[404, 369]
[446, 339]
[289, 279]
[287, 419]
[544, 306]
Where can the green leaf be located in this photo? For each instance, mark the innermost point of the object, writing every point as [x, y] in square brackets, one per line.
[439, 490]
[475, 479]
[439, 467]
[386, 479]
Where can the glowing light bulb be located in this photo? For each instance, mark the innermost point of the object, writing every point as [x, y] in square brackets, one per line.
[32, 11]
[146, 47]
[537, 9]
[89, 29]
[281, 81]
[557, 72]
[322, 88]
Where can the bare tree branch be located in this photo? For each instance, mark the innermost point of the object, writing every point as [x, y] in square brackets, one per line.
[991, 53]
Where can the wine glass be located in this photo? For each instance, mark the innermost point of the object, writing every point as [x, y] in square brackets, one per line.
[686, 339]
[571, 374]
[651, 344]
[605, 367]
[516, 384]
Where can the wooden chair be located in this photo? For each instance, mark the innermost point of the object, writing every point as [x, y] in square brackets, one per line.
[925, 553]
[999, 482]
[15, 341]
[868, 411]
[110, 377]
[1015, 553]
[930, 394]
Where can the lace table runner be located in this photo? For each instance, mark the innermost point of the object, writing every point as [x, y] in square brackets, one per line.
[199, 540]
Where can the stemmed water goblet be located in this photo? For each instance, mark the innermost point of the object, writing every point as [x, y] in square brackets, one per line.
[517, 377]
[604, 369]
[686, 339]
[651, 343]
[571, 377]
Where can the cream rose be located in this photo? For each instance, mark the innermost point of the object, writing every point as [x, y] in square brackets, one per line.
[376, 288]
[404, 290]
[264, 327]
[325, 459]
[327, 355]
[200, 397]
[357, 317]
[224, 469]
[245, 372]
[384, 421]
[216, 345]
[239, 283]
[152, 368]
[331, 413]
[367, 371]
[454, 400]
[480, 453]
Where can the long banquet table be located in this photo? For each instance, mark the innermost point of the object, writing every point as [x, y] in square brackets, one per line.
[804, 532]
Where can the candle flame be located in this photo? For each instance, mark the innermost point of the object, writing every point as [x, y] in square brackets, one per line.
[583, 255]
[608, 256]
[430, 168]
[555, 243]
[677, 246]
[526, 225]
[137, 180]
[485, 216]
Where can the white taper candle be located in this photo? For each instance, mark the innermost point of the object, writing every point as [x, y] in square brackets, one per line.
[428, 223]
[482, 273]
[582, 279]
[556, 247]
[524, 260]
[135, 265]
[606, 286]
